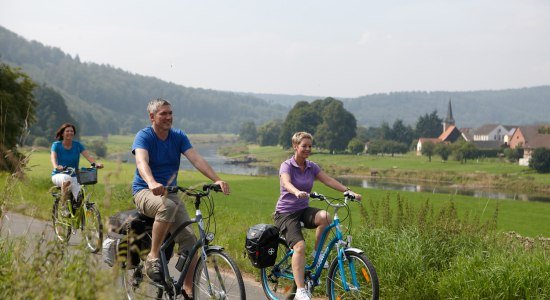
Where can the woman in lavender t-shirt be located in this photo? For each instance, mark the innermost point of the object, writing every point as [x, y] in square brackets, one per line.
[297, 175]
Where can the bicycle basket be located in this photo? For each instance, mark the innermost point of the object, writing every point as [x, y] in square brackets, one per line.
[87, 176]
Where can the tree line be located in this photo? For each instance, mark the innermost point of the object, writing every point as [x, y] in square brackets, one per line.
[336, 129]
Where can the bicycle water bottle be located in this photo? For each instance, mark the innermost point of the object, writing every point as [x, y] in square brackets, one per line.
[181, 261]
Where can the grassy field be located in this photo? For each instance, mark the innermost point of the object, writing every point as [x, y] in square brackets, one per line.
[488, 173]
[424, 246]
[113, 194]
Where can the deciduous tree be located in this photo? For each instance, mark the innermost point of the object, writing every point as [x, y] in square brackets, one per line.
[17, 112]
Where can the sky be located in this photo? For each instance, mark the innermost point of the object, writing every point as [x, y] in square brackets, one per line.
[316, 48]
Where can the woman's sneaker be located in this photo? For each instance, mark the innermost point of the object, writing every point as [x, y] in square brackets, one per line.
[302, 294]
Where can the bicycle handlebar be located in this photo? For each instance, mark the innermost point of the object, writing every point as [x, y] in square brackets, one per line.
[71, 170]
[347, 197]
[195, 192]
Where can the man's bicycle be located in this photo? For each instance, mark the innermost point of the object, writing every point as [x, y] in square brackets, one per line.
[216, 275]
[79, 213]
[351, 275]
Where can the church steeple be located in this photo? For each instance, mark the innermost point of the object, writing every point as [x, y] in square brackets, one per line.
[449, 120]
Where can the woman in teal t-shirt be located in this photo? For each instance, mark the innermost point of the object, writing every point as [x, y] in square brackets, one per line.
[66, 153]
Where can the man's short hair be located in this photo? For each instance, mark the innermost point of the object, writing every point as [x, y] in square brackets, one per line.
[153, 106]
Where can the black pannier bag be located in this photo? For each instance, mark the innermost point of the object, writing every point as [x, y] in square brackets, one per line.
[132, 232]
[261, 245]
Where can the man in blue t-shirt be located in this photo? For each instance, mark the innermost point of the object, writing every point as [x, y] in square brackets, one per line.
[158, 150]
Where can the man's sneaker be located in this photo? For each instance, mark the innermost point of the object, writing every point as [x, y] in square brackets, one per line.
[152, 269]
[302, 294]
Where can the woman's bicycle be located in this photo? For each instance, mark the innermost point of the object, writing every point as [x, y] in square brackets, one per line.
[79, 213]
[216, 275]
[351, 275]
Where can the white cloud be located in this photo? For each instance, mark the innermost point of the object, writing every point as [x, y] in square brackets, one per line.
[365, 38]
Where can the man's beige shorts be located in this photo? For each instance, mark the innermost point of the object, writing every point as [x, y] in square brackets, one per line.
[167, 209]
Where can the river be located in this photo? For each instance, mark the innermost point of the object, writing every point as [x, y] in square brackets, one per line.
[222, 165]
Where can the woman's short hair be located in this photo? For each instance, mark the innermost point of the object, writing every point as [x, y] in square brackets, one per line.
[299, 136]
[61, 130]
[153, 106]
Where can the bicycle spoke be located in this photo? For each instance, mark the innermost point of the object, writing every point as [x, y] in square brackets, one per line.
[278, 281]
[61, 225]
[93, 228]
[359, 280]
[224, 278]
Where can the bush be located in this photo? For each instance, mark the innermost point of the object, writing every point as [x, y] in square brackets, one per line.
[356, 146]
[98, 147]
[41, 142]
[540, 160]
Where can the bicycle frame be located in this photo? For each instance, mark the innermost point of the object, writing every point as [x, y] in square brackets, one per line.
[202, 244]
[76, 218]
[315, 269]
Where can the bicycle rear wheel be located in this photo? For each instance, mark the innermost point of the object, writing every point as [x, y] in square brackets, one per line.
[138, 286]
[61, 225]
[278, 281]
[92, 227]
[225, 277]
[360, 277]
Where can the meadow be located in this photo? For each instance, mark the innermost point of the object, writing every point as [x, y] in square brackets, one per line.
[493, 173]
[424, 246]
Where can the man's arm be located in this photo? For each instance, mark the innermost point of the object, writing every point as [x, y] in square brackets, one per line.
[202, 165]
[142, 163]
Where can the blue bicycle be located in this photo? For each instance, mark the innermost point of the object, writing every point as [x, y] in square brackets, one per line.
[351, 275]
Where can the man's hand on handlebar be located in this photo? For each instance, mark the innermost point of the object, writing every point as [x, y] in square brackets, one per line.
[225, 187]
[157, 188]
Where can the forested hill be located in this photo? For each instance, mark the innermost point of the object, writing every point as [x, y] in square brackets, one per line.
[105, 99]
[470, 109]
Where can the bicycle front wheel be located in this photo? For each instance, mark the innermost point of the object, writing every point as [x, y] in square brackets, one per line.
[61, 225]
[225, 278]
[92, 228]
[359, 277]
[138, 286]
[278, 281]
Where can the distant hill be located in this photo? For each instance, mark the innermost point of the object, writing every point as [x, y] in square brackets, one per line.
[106, 99]
[470, 109]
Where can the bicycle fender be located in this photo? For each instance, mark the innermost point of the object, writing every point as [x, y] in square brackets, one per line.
[214, 248]
[354, 250]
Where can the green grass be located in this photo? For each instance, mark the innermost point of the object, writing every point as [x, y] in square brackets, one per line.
[424, 245]
[485, 173]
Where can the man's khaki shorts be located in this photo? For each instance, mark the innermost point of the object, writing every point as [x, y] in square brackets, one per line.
[167, 209]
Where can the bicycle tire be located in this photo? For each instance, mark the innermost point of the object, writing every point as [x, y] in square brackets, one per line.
[92, 228]
[225, 277]
[278, 280]
[367, 279]
[138, 286]
[61, 225]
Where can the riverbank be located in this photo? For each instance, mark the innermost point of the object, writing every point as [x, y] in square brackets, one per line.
[492, 174]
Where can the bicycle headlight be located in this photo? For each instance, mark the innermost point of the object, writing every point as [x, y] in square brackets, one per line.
[210, 236]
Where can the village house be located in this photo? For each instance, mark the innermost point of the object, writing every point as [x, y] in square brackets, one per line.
[529, 138]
